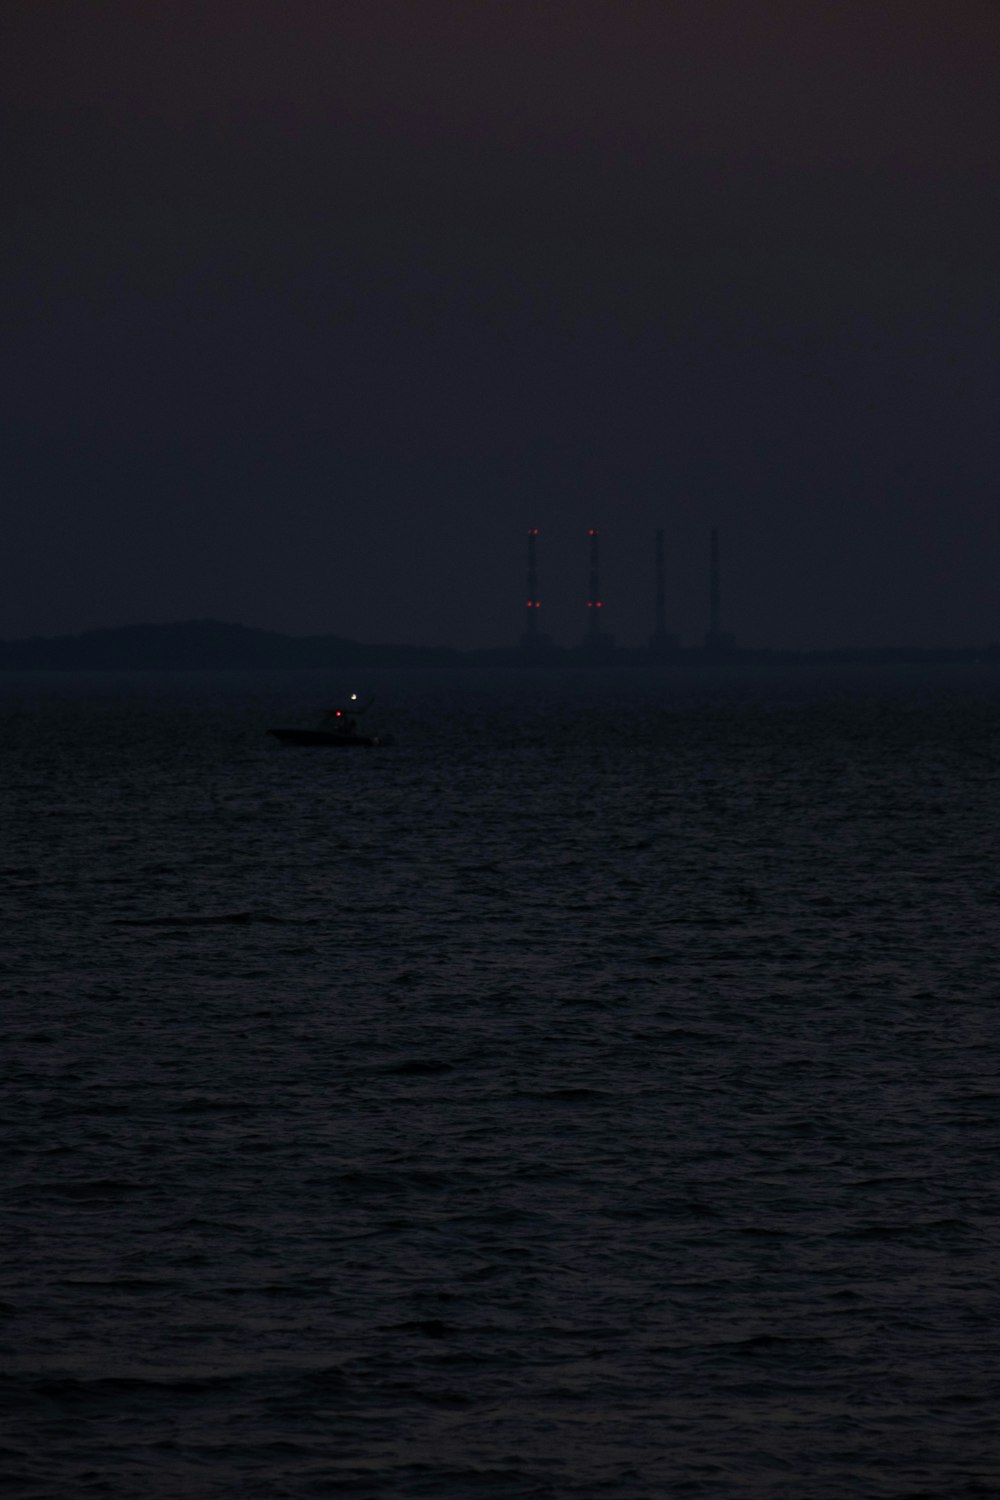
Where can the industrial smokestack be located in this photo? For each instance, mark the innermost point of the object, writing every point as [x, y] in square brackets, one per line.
[532, 638]
[661, 596]
[596, 637]
[594, 602]
[531, 627]
[713, 587]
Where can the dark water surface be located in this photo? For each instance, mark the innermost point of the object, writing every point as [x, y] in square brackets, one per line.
[597, 1094]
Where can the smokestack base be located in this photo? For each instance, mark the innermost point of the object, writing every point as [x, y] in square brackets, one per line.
[598, 644]
[720, 643]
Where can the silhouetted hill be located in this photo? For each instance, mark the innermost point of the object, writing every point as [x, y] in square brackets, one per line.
[196, 645]
[204, 644]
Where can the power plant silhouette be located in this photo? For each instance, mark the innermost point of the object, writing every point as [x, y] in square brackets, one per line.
[662, 643]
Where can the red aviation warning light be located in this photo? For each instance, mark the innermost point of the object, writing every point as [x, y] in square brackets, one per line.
[531, 636]
[594, 602]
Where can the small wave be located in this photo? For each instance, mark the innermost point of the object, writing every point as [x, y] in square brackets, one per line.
[879, 1232]
[290, 1290]
[326, 1377]
[202, 1104]
[758, 1342]
[78, 1190]
[420, 1067]
[431, 1328]
[693, 1034]
[77, 1388]
[122, 1283]
[218, 919]
[572, 1094]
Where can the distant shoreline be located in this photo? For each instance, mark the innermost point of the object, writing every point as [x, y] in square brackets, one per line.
[197, 645]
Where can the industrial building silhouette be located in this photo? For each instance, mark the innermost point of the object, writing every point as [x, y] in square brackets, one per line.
[596, 638]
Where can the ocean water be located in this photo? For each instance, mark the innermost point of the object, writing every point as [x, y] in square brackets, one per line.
[597, 1094]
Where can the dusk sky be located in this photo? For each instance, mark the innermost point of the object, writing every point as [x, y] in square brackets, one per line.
[312, 308]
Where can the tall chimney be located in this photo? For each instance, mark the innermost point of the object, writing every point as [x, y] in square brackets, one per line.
[532, 639]
[661, 593]
[531, 626]
[594, 602]
[713, 587]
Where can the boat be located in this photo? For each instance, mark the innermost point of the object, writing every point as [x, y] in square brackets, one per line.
[338, 727]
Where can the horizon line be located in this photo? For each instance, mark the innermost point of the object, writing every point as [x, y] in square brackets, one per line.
[662, 651]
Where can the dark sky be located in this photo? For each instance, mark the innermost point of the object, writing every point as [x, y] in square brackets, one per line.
[313, 307]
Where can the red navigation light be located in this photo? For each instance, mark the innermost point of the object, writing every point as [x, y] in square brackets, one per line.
[599, 604]
[533, 531]
[593, 531]
[338, 713]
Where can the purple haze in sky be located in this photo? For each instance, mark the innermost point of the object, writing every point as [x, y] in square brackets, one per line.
[312, 310]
